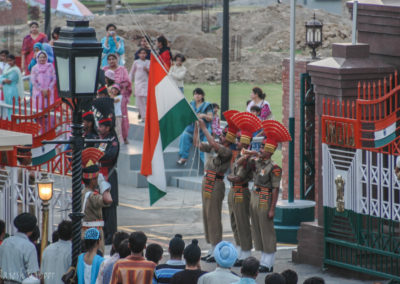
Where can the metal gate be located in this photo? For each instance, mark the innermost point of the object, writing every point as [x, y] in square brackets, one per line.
[361, 195]
[307, 138]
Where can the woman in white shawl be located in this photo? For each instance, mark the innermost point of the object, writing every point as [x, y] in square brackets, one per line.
[11, 82]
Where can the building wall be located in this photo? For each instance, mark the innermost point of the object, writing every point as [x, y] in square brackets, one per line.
[17, 15]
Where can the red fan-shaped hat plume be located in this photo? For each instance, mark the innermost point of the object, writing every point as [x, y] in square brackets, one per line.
[248, 123]
[276, 133]
[232, 128]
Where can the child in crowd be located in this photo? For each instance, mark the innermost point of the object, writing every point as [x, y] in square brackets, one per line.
[140, 74]
[116, 95]
[154, 253]
[215, 125]
[178, 71]
[256, 111]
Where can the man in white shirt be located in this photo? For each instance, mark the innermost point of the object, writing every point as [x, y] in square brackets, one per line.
[52, 270]
[18, 256]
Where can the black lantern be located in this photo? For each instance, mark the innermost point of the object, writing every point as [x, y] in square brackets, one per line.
[77, 59]
[314, 35]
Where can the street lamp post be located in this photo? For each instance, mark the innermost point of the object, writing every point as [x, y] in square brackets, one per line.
[45, 190]
[314, 35]
[77, 60]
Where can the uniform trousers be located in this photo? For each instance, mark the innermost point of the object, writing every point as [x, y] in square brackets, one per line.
[263, 230]
[110, 222]
[239, 213]
[212, 210]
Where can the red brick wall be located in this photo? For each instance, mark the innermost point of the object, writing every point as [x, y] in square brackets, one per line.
[300, 68]
[17, 15]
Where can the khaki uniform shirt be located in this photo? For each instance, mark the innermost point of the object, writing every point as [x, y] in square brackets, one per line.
[267, 173]
[219, 163]
[93, 207]
[242, 171]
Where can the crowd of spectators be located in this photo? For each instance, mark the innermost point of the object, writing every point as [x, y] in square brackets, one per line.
[132, 259]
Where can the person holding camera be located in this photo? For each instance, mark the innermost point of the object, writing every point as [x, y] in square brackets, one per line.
[112, 44]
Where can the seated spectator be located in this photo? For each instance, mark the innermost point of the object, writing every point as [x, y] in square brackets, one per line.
[134, 268]
[290, 276]
[154, 253]
[123, 251]
[274, 278]
[314, 280]
[164, 272]
[249, 271]
[51, 270]
[89, 262]
[117, 240]
[2, 231]
[192, 270]
[225, 255]
[18, 252]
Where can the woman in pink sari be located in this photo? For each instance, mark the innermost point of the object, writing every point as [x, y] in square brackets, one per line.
[123, 80]
[43, 79]
[27, 52]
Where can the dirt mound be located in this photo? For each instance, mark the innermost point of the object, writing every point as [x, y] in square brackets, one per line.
[264, 34]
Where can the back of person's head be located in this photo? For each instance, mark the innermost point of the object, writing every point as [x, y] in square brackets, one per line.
[192, 253]
[65, 230]
[274, 278]
[176, 246]
[2, 227]
[34, 237]
[257, 91]
[137, 242]
[55, 236]
[25, 222]
[154, 253]
[314, 280]
[123, 249]
[118, 237]
[5, 52]
[250, 267]
[11, 56]
[290, 276]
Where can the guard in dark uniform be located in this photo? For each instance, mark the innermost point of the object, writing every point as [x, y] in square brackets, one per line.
[264, 196]
[104, 112]
[239, 194]
[89, 123]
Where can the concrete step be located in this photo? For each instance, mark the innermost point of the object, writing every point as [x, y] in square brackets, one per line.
[192, 182]
[135, 179]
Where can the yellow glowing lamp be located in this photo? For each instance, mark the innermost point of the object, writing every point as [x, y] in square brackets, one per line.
[45, 188]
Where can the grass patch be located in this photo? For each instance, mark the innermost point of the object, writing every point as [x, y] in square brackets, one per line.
[239, 93]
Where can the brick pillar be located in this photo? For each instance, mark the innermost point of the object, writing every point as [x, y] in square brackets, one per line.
[300, 67]
[17, 15]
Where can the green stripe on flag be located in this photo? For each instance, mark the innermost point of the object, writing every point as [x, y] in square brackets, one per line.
[175, 121]
[386, 140]
[43, 158]
[155, 194]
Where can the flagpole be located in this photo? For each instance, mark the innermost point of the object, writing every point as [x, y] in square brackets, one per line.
[225, 59]
[47, 18]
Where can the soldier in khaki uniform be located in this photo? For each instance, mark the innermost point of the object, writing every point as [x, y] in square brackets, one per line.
[96, 193]
[267, 177]
[213, 186]
[239, 194]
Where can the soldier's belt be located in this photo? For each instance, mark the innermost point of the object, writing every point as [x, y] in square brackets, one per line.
[210, 178]
[264, 194]
[92, 224]
[238, 190]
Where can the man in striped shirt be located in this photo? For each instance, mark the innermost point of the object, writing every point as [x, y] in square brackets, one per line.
[164, 272]
[134, 268]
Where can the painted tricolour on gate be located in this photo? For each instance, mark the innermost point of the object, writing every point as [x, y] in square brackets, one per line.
[380, 133]
[167, 115]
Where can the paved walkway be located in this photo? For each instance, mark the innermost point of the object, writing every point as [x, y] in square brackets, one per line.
[180, 212]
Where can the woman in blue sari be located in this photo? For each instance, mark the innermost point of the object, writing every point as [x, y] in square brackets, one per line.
[204, 110]
[11, 82]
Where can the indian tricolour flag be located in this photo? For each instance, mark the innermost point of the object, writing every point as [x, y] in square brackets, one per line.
[380, 133]
[167, 115]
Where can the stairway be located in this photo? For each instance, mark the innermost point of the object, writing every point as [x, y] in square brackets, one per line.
[130, 157]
